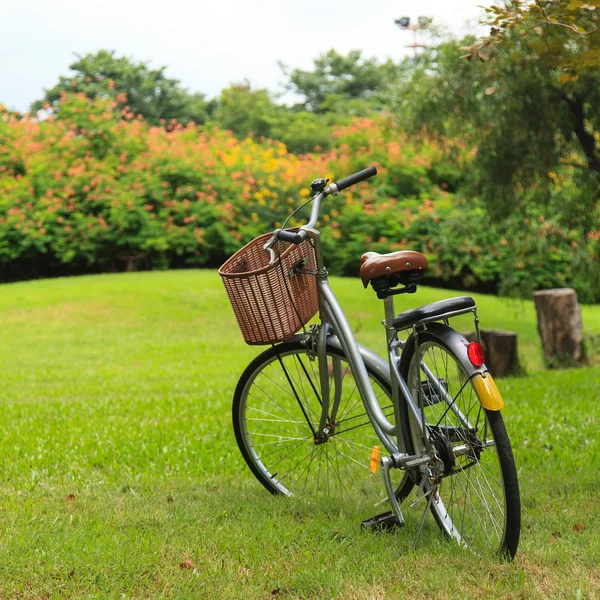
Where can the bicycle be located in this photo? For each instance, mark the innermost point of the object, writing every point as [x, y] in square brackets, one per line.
[311, 412]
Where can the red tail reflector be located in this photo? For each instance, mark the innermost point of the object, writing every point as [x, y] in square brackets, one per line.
[475, 354]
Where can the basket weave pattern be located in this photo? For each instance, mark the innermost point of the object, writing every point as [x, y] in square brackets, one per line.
[271, 302]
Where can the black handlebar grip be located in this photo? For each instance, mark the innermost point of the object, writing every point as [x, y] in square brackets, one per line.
[356, 178]
[295, 237]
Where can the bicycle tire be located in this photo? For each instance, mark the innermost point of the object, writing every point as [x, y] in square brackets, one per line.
[477, 501]
[338, 467]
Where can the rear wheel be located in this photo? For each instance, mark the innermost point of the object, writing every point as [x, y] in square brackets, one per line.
[476, 493]
[276, 412]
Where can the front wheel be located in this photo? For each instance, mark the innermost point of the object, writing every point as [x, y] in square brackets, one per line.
[276, 411]
[474, 481]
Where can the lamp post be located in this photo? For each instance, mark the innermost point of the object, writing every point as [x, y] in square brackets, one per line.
[421, 24]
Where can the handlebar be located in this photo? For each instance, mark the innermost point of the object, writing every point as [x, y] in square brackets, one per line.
[296, 237]
[355, 178]
[333, 188]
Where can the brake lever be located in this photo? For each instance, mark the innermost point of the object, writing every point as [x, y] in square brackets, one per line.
[269, 247]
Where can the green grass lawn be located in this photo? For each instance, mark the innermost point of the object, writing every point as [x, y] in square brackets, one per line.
[118, 461]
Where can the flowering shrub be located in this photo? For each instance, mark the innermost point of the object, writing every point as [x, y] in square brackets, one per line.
[90, 192]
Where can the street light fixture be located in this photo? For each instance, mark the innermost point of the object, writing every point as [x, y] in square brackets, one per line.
[422, 23]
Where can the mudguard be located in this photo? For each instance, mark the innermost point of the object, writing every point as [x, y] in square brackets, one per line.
[488, 393]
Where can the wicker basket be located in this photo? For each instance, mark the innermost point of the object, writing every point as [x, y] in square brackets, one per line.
[271, 302]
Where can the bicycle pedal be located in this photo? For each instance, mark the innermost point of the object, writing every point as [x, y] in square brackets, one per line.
[384, 522]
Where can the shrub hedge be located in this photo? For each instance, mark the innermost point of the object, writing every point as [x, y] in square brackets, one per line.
[97, 191]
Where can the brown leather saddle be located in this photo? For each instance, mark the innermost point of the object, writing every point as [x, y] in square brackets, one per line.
[386, 271]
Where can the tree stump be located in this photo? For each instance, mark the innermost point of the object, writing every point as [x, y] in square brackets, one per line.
[133, 261]
[501, 351]
[560, 327]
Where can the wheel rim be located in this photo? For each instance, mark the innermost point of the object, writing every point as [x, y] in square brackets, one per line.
[276, 403]
[470, 501]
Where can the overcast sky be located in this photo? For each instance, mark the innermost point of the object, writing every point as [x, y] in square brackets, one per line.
[206, 44]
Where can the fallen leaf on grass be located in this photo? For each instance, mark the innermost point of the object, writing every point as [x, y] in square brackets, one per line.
[70, 498]
[187, 564]
[579, 527]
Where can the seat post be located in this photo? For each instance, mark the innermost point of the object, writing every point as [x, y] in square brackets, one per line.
[390, 314]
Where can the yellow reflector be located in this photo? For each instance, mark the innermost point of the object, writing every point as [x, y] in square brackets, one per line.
[488, 393]
[374, 459]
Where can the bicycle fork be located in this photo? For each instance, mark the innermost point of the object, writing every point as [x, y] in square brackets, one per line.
[327, 422]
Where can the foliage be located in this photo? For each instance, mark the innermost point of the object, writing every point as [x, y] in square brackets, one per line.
[134, 86]
[563, 38]
[303, 132]
[566, 34]
[245, 111]
[93, 191]
[340, 83]
[253, 113]
[515, 106]
[418, 204]
[337, 89]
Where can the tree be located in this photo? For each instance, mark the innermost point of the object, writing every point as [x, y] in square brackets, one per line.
[529, 107]
[570, 31]
[337, 82]
[511, 101]
[247, 112]
[144, 91]
[564, 39]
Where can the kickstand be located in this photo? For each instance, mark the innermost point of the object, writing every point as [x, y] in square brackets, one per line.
[432, 494]
[392, 518]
